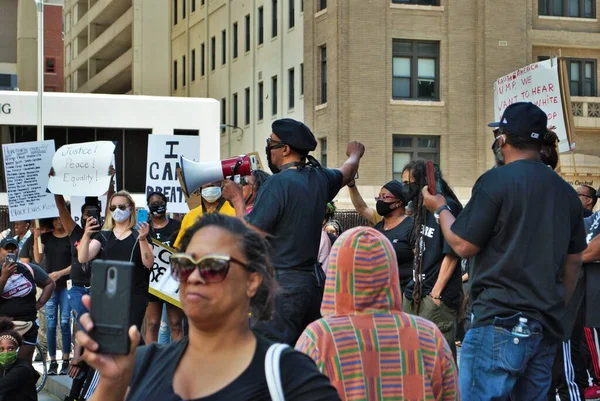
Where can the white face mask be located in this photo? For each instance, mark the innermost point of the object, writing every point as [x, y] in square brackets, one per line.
[120, 216]
[211, 194]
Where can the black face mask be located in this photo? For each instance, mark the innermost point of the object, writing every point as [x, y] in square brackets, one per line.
[383, 209]
[410, 191]
[157, 210]
[498, 153]
[274, 169]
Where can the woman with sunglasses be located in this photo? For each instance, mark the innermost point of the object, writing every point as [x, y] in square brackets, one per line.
[223, 274]
[119, 240]
[17, 376]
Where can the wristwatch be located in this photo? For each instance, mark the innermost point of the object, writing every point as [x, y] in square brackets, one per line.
[440, 210]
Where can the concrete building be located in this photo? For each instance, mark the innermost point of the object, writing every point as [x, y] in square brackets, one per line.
[117, 46]
[18, 46]
[245, 53]
[414, 78]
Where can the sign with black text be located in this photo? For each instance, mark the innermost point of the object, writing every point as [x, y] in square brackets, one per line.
[162, 283]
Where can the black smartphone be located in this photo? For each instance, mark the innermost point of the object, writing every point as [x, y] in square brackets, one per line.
[10, 258]
[111, 293]
[94, 212]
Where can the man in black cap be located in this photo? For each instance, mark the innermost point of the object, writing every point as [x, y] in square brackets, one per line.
[289, 209]
[523, 227]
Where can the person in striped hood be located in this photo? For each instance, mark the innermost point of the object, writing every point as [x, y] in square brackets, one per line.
[365, 344]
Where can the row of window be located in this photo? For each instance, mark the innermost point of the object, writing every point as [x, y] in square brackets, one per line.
[291, 99]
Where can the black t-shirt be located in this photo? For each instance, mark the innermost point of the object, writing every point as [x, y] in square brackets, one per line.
[80, 272]
[403, 242]
[27, 252]
[168, 233]
[18, 298]
[525, 219]
[435, 249]
[155, 367]
[290, 206]
[57, 253]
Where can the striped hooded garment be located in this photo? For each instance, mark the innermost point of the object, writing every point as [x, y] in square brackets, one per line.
[367, 347]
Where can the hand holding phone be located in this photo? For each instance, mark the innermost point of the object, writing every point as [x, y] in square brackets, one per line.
[431, 187]
[10, 258]
[142, 216]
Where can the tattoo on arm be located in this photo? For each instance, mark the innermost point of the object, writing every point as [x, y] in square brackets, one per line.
[146, 256]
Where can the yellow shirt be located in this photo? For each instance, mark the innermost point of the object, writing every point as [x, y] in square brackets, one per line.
[193, 215]
[376, 217]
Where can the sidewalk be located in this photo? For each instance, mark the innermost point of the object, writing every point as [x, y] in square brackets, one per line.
[58, 386]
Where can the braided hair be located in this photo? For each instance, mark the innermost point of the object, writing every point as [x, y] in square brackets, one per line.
[418, 170]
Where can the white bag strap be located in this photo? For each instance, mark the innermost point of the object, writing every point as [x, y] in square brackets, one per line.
[272, 372]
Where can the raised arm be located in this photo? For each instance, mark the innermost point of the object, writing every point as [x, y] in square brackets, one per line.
[145, 247]
[355, 152]
[89, 248]
[63, 213]
[359, 203]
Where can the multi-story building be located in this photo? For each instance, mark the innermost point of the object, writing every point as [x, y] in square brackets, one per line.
[414, 78]
[245, 53]
[18, 46]
[117, 46]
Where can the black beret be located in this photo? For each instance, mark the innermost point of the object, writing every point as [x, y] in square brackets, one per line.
[295, 134]
[395, 187]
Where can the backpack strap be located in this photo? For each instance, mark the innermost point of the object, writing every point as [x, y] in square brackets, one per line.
[136, 236]
[29, 268]
[273, 372]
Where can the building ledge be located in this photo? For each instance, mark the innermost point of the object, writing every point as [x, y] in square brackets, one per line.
[575, 19]
[416, 7]
[320, 13]
[420, 103]
[321, 107]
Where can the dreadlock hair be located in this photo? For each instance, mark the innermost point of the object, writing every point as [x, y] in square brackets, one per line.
[548, 154]
[418, 170]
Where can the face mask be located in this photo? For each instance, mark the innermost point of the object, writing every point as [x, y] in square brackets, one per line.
[498, 153]
[274, 169]
[120, 216]
[410, 191]
[383, 209]
[211, 194]
[157, 209]
[8, 358]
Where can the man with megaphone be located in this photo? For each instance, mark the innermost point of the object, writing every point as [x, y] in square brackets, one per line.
[289, 210]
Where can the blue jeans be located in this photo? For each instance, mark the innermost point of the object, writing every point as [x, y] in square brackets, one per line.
[495, 365]
[75, 294]
[164, 333]
[58, 300]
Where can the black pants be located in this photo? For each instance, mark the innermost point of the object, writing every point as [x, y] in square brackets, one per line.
[297, 304]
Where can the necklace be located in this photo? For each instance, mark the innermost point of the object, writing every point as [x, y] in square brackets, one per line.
[120, 236]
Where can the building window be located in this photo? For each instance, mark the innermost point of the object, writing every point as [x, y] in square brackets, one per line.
[234, 110]
[407, 148]
[291, 88]
[50, 65]
[201, 2]
[49, 88]
[568, 8]
[301, 6]
[323, 152]
[213, 45]
[183, 9]
[175, 75]
[261, 17]
[415, 70]
[582, 77]
[292, 14]
[202, 59]
[235, 40]
[175, 12]
[183, 68]
[224, 47]
[247, 106]
[424, 2]
[301, 79]
[193, 5]
[223, 113]
[260, 101]
[274, 95]
[323, 73]
[193, 69]
[247, 33]
[274, 19]
[321, 5]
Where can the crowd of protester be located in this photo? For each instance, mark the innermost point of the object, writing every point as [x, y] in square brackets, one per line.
[279, 301]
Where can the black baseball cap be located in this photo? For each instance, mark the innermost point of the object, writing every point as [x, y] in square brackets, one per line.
[524, 119]
[9, 241]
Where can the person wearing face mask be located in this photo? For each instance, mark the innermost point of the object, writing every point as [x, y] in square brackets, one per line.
[17, 377]
[250, 187]
[212, 202]
[163, 230]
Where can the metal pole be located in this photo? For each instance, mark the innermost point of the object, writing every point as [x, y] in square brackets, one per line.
[40, 44]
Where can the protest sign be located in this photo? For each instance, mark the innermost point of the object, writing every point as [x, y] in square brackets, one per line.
[27, 165]
[163, 160]
[81, 169]
[162, 284]
[540, 84]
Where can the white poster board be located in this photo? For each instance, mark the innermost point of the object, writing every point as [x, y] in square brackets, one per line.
[81, 169]
[27, 165]
[163, 160]
[162, 284]
[539, 84]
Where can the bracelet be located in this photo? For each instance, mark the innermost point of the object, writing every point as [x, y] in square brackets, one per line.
[431, 295]
[351, 186]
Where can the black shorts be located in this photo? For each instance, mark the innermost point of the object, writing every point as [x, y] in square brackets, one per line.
[30, 338]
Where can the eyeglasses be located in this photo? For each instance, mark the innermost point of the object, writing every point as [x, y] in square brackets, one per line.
[584, 195]
[121, 207]
[273, 144]
[384, 197]
[212, 268]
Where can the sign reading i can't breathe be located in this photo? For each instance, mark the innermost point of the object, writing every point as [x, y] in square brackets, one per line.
[81, 169]
[162, 284]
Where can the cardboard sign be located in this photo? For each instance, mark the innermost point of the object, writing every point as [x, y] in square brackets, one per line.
[540, 84]
[81, 169]
[27, 165]
[163, 160]
[162, 284]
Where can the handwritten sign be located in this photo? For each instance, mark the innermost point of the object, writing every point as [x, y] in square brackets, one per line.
[81, 169]
[162, 284]
[538, 83]
[27, 165]
[163, 161]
